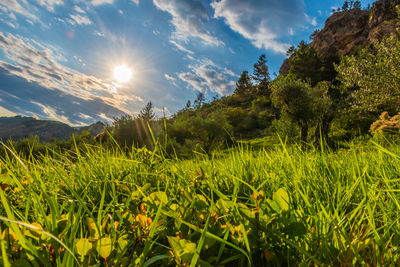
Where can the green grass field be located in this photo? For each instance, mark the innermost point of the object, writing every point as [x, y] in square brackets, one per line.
[280, 206]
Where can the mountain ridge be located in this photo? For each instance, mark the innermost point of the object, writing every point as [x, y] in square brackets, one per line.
[19, 127]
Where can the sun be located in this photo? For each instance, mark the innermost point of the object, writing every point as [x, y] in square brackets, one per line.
[122, 74]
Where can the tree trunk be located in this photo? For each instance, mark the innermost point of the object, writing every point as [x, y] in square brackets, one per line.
[322, 130]
[304, 131]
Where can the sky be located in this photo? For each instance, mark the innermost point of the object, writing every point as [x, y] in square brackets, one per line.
[58, 57]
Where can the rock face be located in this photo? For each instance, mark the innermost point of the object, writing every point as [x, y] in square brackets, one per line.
[344, 31]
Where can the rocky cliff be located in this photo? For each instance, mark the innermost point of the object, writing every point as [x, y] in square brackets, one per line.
[344, 31]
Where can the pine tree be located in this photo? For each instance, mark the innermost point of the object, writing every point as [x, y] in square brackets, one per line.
[200, 99]
[243, 84]
[261, 73]
[188, 105]
[147, 112]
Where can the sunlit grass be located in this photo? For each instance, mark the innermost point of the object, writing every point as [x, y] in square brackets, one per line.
[245, 207]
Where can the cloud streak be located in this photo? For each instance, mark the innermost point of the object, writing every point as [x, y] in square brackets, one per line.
[261, 21]
[205, 75]
[188, 18]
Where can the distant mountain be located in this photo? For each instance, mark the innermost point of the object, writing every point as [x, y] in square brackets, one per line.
[345, 31]
[19, 127]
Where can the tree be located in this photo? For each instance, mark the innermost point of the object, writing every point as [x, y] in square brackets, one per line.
[243, 84]
[374, 76]
[314, 34]
[306, 63]
[291, 51]
[346, 6]
[357, 5]
[147, 112]
[200, 99]
[292, 96]
[261, 73]
[188, 105]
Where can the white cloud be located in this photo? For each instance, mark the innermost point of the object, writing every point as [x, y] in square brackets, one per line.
[6, 113]
[136, 2]
[52, 113]
[12, 16]
[79, 19]
[101, 2]
[169, 77]
[16, 7]
[181, 47]
[206, 75]
[9, 23]
[79, 10]
[104, 116]
[49, 4]
[312, 21]
[99, 34]
[188, 18]
[261, 21]
[84, 116]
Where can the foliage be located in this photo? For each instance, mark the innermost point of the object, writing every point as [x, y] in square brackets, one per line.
[147, 113]
[193, 132]
[280, 206]
[243, 84]
[375, 75]
[292, 96]
[261, 73]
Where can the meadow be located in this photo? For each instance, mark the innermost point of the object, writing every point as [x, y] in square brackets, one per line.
[282, 205]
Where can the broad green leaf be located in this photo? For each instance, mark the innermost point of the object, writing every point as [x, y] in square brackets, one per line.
[94, 232]
[282, 198]
[103, 247]
[83, 246]
[140, 191]
[274, 205]
[157, 198]
[122, 244]
[182, 248]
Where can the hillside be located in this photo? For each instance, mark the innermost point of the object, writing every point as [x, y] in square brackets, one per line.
[19, 127]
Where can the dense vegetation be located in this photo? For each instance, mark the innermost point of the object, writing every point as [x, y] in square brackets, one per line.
[279, 206]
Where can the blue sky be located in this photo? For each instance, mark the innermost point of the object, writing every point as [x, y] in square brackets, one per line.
[57, 57]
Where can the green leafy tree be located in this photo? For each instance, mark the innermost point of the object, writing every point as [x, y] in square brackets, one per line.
[374, 75]
[292, 96]
[306, 64]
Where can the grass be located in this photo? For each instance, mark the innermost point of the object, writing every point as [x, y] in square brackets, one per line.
[281, 206]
